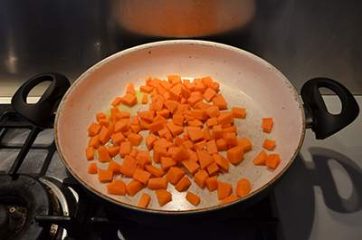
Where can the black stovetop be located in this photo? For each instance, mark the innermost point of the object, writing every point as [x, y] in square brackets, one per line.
[91, 218]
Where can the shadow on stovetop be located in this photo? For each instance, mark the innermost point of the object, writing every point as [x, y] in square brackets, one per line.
[297, 222]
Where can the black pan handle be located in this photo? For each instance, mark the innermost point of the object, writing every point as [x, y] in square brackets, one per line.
[41, 113]
[323, 123]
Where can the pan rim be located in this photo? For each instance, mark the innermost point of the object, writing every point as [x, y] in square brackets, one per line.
[176, 42]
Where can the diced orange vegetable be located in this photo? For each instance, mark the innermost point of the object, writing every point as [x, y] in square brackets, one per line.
[113, 151]
[117, 138]
[212, 169]
[230, 138]
[207, 135]
[174, 175]
[193, 99]
[243, 187]
[105, 175]
[211, 147]
[141, 175]
[89, 152]
[192, 155]
[222, 162]
[224, 190]
[213, 111]
[171, 105]
[144, 98]
[157, 183]
[212, 122]
[193, 198]
[191, 166]
[219, 101]
[103, 155]
[167, 162]
[144, 200]
[94, 142]
[235, 155]
[229, 199]
[157, 172]
[267, 125]
[150, 139]
[211, 183]
[209, 94]
[195, 133]
[269, 144]
[129, 100]
[238, 112]
[200, 178]
[157, 103]
[200, 145]
[92, 168]
[221, 144]
[188, 144]
[134, 152]
[245, 144]
[158, 152]
[143, 158]
[130, 89]
[116, 187]
[164, 113]
[116, 101]
[128, 167]
[123, 115]
[93, 129]
[135, 139]
[121, 125]
[260, 158]
[179, 154]
[156, 126]
[183, 184]
[174, 78]
[146, 89]
[114, 167]
[105, 134]
[217, 131]
[133, 187]
[174, 129]
[100, 116]
[178, 119]
[205, 158]
[199, 114]
[202, 105]
[231, 129]
[225, 117]
[125, 148]
[272, 161]
[163, 197]
[147, 115]
[195, 123]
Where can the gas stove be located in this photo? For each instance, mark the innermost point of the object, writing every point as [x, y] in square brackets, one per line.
[40, 200]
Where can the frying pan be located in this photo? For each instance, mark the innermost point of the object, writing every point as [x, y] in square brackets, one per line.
[245, 80]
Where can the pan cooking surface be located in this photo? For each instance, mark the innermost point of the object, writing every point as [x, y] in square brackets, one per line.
[245, 81]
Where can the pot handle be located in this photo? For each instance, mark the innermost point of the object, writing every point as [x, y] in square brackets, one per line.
[323, 123]
[41, 113]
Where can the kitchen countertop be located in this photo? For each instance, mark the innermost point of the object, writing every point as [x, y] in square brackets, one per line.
[320, 197]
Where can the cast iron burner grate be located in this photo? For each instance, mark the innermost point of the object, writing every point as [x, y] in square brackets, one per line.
[91, 218]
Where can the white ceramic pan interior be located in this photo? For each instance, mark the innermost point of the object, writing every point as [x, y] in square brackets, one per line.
[246, 81]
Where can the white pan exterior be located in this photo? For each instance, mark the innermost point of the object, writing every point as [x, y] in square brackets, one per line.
[246, 80]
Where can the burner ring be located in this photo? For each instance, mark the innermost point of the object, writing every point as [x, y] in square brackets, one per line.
[23, 192]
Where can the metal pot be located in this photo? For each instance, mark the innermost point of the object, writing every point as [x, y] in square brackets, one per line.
[188, 18]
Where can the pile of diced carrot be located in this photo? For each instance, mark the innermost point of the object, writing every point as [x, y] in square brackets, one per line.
[189, 125]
